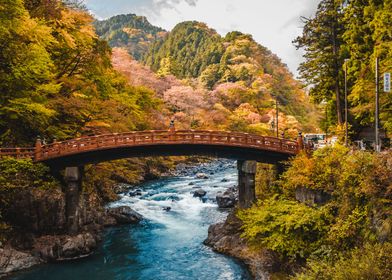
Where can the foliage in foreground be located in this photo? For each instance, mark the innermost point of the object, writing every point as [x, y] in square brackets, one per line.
[285, 226]
[330, 237]
[368, 262]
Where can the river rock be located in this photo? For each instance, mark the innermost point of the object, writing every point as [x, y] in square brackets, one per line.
[135, 193]
[199, 193]
[12, 260]
[64, 247]
[228, 199]
[201, 176]
[224, 180]
[121, 188]
[109, 221]
[124, 215]
[311, 197]
[167, 208]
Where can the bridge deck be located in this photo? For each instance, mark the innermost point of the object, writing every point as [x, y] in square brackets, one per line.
[148, 138]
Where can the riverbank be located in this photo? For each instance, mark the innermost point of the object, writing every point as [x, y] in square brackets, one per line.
[225, 238]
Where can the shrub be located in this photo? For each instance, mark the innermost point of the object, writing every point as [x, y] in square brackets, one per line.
[284, 226]
[23, 173]
[371, 262]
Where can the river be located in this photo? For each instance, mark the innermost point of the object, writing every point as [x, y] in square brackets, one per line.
[167, 244]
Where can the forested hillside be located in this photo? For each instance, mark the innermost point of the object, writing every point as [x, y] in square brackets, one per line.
[130, 31]
[239, 79]
[187, 51]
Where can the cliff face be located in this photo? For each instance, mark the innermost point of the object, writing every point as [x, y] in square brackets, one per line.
[226, 238]
[40, 233]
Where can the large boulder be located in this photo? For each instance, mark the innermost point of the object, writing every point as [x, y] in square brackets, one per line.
[136, 192]
[311, 197]
[65, 247]
[12, 260]
[199, 193]
[124, 215]
[228, 199]
[226, 238]
[201, 176]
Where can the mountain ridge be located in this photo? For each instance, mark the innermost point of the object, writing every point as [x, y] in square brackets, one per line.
[130, 31]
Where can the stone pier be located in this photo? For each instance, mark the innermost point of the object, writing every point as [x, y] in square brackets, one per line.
[246, 183]
[73, 179]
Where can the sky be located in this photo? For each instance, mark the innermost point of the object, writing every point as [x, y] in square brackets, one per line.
[272, 23]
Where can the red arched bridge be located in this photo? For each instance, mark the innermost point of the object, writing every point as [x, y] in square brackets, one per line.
[74, 154]
[92, 149]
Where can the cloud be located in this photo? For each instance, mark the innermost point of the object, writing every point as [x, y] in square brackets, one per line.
[158, 5]
[154, 8]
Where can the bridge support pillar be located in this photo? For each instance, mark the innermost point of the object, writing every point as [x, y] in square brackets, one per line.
[246, 183]
[280, 168]
[73, 179]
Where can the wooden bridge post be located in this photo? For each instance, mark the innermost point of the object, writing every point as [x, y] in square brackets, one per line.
[73, 179]
[246, 183]
[300, 141]
[37, 150]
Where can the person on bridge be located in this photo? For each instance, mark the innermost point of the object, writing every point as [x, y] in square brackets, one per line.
[171, 126]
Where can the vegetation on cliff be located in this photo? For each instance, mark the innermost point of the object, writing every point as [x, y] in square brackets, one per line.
[355, 216]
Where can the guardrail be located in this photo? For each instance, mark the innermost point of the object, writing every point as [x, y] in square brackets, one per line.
[17, 152]
[153, 137]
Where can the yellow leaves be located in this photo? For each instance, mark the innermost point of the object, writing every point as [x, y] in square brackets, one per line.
[219, 107]
[69, 40]
[80, 95]
[132, 32]
[25, 106]
[75, 28]
[346, 229]
[36, 32]
[98, 124]
[287, 227]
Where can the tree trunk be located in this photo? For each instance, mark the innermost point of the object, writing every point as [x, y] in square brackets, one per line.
[336, 74]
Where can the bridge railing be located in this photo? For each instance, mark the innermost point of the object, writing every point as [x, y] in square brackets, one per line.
[17, 152]
[154, 137]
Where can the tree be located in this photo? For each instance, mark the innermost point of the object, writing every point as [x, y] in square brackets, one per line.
[26, 73]
[368, 36]
[322, 42]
